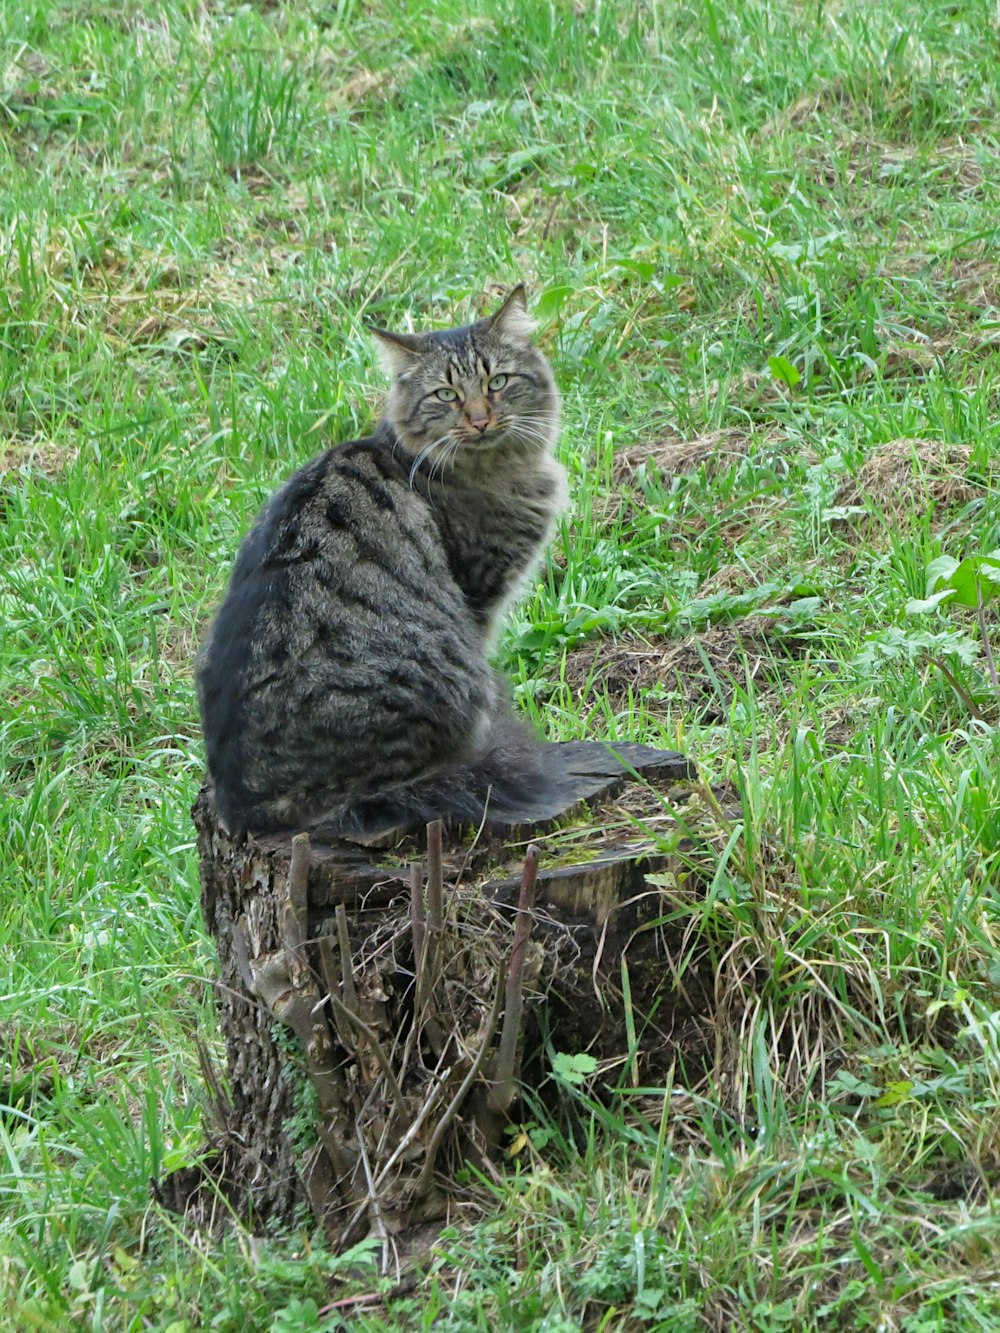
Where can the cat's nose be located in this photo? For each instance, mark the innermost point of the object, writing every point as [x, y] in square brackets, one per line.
[478, 421]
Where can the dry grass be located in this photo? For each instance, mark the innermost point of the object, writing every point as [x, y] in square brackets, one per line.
[861, 160]
[906, 478]
[674, 455]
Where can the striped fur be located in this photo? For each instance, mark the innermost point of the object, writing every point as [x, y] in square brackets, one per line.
[345, 683]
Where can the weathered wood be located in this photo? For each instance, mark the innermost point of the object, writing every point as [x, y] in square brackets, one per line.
[375, 1036]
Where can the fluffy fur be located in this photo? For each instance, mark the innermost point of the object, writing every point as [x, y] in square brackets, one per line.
[345, 684]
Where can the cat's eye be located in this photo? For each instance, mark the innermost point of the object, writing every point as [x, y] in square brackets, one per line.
[446, 395]
[496, 382]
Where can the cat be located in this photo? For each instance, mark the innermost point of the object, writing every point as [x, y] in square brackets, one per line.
[345, 685]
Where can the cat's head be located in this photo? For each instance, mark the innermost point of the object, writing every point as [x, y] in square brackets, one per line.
[480, 388]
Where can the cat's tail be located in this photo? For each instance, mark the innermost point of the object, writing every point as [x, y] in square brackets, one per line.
[516, 780]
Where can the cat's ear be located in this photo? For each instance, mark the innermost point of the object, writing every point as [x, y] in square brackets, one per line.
[397, 352]
[512, 318]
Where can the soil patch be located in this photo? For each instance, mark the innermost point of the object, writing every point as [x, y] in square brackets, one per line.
[829, 102]
[977, 281]
[704, 668]
[859, 159]
[35, 456]
[714, 455]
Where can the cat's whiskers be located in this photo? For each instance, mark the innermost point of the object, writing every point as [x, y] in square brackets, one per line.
[544, 421]
[448, 458]
[426, 453]
[526, 433]
[447, 455]
[548, 420]
[535, 427]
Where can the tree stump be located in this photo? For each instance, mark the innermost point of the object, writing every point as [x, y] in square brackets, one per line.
[380, 1003]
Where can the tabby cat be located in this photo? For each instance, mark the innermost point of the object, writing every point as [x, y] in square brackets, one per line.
[345, 685]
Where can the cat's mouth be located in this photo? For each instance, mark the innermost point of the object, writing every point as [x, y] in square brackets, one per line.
[510, 432]
[482, 439]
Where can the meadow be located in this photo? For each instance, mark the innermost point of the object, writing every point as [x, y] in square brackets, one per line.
[761, 241]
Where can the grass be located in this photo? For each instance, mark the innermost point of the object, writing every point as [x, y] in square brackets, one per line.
[762, 241]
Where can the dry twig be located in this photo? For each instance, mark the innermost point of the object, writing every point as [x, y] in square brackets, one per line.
[349, 992]
[431, 930]
[502, 1092]
[427, 1172]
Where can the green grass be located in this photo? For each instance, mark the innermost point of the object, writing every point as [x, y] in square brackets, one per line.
[201, 206]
